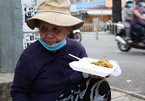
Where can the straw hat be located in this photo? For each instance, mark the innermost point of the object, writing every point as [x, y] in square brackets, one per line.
[56, 12]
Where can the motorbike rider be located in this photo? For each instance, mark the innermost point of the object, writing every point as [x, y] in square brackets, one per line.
[138, 21]
[75, 34]
[126, 19]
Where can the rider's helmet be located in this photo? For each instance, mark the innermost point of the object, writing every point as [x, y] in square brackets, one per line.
[76, 31]
[140, 2]
[129, 3]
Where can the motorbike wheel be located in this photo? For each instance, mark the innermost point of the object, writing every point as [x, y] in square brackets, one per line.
[123, 48]
[78, 36]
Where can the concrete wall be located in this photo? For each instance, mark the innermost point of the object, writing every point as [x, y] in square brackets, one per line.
[5, 86]
[10, 34]
[5, 92]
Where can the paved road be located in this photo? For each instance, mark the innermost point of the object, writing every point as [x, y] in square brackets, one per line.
[132, 63]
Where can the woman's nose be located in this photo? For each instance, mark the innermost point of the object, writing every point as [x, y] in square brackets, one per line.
[50, 34]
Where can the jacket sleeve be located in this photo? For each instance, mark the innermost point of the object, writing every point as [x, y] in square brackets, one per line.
[83, 52]
[22, 81]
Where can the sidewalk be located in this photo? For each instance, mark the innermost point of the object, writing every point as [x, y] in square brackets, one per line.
[123, 95]
[117, 94]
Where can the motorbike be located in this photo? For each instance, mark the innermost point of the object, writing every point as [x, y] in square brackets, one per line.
[122, 44]
[76, 35]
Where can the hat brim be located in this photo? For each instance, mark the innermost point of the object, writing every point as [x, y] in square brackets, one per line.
[55, 18]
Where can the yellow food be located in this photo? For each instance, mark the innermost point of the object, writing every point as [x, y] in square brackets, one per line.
[103, 63]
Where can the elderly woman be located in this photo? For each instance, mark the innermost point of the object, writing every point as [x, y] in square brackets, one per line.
[43, 72]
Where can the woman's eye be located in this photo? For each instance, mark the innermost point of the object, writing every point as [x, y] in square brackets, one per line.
[43, 28]
[56, 29]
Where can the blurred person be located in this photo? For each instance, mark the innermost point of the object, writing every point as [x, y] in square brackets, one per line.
[76, 35]
[138, 21]
[43, 73]
[126, 19]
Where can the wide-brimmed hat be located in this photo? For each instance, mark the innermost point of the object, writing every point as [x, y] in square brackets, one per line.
[56, 12]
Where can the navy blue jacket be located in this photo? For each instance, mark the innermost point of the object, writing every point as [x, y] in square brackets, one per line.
[41, 75]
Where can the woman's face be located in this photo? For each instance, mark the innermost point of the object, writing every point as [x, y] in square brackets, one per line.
[52, 34]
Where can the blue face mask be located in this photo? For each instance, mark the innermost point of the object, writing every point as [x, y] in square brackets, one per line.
[142, 4]
[130, 5]
[53, 47]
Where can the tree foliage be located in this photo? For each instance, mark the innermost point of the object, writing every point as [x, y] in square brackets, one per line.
[116, 11]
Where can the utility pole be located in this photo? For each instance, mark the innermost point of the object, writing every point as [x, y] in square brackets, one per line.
[116, 10]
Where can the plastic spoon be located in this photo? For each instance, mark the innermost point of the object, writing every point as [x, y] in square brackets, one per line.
[74, 56]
